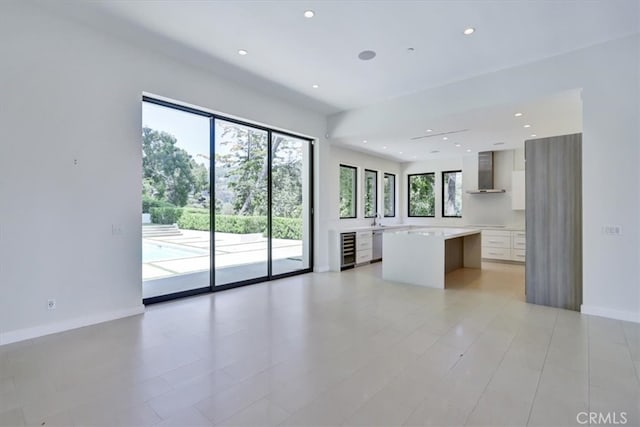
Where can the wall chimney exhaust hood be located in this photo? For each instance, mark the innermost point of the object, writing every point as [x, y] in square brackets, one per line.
[485, 174]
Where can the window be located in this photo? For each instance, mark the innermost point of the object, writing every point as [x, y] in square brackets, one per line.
[452, 194]
[348, 179]
[370, 193]
[389, 186]
[422, 195]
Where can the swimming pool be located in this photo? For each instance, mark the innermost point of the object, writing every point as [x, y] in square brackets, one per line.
[153, 252]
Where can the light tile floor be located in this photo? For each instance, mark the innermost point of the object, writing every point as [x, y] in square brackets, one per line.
[332, 349]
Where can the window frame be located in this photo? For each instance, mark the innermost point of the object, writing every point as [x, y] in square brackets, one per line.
[442, 193]
[393, 205]
[355, 191]
[375, 193]
[433, 174]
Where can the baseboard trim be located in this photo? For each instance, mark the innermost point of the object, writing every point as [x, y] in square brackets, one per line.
[66, 325]
[628, 316]
[322, 269]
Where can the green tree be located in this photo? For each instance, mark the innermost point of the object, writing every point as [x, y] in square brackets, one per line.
[422, 195]
[242, 172]
[347, 192]
[167, 169]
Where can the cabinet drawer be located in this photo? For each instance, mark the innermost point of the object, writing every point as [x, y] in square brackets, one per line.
[364, 243]
[496, 241]
[363, 256]
[518, 255]
[519, 243]
[496, 253]
[363, 235]
[500, 233]
[520, 234]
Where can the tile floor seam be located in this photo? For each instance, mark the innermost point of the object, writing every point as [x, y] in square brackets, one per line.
[544, 362]
[243, 407]
[448, 370]
[633, 364]
[195, 408]
[146, 402]
[466, 420]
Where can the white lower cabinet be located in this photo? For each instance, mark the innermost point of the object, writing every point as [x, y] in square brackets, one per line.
[503, 245]
[364, 247]
[518, 255]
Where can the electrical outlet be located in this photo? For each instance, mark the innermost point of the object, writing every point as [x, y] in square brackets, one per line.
[116, 229]
[612, 230]
[51, 304]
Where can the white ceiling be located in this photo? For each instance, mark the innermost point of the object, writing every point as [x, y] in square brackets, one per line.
[289, 53]
[486, 129]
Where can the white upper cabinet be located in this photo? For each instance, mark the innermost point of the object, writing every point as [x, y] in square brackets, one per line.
[517, 190]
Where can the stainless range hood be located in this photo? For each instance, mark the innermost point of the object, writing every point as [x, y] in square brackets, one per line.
[485, 174]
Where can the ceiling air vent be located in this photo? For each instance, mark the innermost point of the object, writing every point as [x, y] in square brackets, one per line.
[431, 135]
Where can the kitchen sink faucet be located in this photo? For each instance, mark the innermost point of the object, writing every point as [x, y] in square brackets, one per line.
[376, 220]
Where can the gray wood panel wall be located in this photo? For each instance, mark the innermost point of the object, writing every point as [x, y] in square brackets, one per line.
[554, 221]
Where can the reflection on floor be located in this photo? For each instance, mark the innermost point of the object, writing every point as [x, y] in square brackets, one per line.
[496, 278]
[329, 349]
[223, 276]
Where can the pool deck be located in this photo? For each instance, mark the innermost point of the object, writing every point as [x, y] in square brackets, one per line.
[231, 250]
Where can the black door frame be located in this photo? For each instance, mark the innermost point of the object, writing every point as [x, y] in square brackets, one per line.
[270, 276]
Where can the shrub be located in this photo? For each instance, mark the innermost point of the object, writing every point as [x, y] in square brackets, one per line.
[194, 220]
[287, 228]
[165, 215]
[238, 224]
[199, 219]
[150, 202]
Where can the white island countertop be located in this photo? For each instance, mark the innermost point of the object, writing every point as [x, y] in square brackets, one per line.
[445, 233]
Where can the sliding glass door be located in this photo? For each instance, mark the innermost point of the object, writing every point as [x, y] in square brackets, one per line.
[241, 174]
[225, 203]
[291, 202]
[175, 201]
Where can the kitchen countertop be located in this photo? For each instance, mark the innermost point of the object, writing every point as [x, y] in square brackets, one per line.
[496, 227]
[372, 228]
[444, 232]
[416, 226]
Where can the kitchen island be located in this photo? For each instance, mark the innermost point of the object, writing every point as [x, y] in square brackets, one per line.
[423, 256]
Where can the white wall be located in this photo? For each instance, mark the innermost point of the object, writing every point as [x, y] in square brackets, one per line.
[71, 93]
[608, 75]
[477, 209]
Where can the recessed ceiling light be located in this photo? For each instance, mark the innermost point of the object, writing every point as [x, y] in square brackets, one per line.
[518, 114]
[384, 147]
[315, 86]
[498, 143]
[444, 138]
[468, 150]
[411, 49]
[399, 152]
[415, 157]
[457, 145]
[527, 126]
[364, 141]
[242, 52]
[429, 130]
[309, 13]
[533, 135]
[366, 55]
[469, 31]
